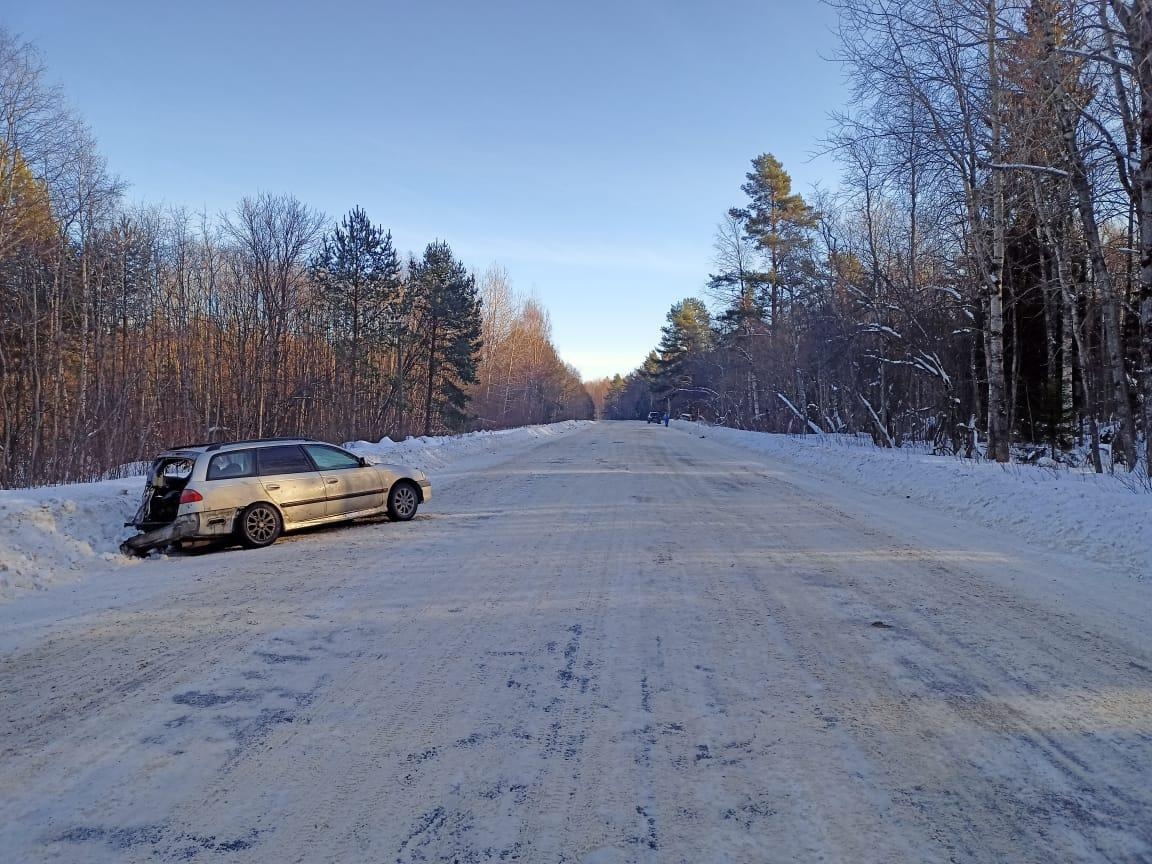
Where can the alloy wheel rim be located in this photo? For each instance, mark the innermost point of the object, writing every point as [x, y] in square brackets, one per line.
[405, 501]
[260, 524]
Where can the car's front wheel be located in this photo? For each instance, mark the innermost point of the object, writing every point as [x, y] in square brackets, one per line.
[403, 500]
[259, 525]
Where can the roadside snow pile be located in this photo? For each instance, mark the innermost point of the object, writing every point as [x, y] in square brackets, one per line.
[1101, 517]
[54, 533]
[433, 454]
[57, 534]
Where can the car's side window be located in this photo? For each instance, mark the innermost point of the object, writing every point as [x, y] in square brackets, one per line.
[237, 463]
[331, 458]
[283, 459]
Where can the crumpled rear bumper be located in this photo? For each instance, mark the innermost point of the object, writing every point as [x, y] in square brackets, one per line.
[141, 544]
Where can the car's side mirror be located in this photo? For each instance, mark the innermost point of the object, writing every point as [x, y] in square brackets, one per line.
[363, 461]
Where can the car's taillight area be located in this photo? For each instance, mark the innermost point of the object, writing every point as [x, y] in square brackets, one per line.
[190, 496]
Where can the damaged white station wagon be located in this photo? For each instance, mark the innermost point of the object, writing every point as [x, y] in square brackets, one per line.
[253, 491]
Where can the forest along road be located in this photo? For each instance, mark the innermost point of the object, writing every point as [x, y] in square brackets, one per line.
[626, 644]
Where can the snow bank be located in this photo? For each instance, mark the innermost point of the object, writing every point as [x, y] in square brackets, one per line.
[435, 453]
[1104, 518]
[58, 534]
[55, 533]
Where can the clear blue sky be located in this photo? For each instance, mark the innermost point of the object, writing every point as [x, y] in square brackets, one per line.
[588, 147]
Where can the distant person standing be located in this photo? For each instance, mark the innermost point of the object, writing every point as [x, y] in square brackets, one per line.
[665, 418]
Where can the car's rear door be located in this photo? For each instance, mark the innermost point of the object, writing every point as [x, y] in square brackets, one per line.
[351, 487]
[292, 482]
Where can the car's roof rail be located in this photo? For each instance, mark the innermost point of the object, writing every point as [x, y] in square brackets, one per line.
[217, 445]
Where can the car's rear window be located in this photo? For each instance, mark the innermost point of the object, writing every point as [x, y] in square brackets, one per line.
[284, 459]
[237, 463]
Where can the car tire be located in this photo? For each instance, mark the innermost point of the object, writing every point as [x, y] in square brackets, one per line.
[403, 501]
[259, 525]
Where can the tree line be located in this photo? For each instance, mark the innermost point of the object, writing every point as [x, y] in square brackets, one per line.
[982, 277]
[126, 329]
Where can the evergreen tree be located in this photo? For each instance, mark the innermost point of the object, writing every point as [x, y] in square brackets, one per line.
[630, 398]
[686, 336]
[779, 224]
[357, 273]
[449, 305]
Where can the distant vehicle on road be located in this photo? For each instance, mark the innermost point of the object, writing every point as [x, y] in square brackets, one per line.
[655, 417]
[253, 491]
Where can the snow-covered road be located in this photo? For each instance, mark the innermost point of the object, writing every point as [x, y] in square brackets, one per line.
[625, 644]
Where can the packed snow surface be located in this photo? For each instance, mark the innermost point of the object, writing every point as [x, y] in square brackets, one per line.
[57, 534]
[1104, 517]
[629, 644]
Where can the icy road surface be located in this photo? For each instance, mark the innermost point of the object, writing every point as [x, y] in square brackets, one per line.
[626, 644]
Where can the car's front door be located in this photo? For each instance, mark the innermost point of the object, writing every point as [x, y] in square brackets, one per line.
[351, 487]
[292, 483]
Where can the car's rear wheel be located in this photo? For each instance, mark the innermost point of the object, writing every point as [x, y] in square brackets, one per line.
[403, 501]
[260, 525]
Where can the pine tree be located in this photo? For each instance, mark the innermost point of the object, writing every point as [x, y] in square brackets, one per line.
[449, 305]
[686, 336]
[778, 222]
[357, 273]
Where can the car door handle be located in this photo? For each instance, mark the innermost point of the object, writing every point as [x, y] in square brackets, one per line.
[271, 487]
[333, 481]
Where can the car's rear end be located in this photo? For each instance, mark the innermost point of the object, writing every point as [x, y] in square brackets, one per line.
[165, 492]
[183, 500]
